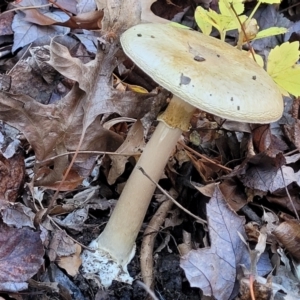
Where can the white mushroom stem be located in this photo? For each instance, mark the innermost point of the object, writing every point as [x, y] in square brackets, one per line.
[119, 235]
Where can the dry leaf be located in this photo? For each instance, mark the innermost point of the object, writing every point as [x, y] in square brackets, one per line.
[233, 193]
[74, 221]
[202, 267]
[283, 199]
[61, 245]
[16, 214]
[263, 173]
[21, 253]
[12, 172]
[71, 263]
[288, 234]
[134, 143]
[54, 129]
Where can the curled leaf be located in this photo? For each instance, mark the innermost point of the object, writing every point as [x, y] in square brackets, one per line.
[288, 234]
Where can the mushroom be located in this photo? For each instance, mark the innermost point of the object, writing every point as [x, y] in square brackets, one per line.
[201, 72]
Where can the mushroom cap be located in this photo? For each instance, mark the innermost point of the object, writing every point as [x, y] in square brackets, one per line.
[205, 72]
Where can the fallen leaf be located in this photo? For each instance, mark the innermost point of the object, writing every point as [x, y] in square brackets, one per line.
[288, 235]
[21, 253]
[60, 245]
[268, 178]
[99, 97]
[264, 140]
[233, 193]
[71, 263]
[74, 221]
[263, 173]
[16, 214]
[134, 143]
[202, 267]
[54, 129]
[67, 289]
[89, 20]
[26, 33]
[12, 173]
[282, 199]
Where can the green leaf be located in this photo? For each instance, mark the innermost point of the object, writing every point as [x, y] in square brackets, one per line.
[282, 67]
[270, 1]
[202, 20]
[270, 32]
[289, 80]
[226, 9]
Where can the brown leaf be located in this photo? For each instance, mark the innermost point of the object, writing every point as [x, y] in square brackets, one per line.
[206, 169]
[233, 193]
[55, 129]
[90, 20]
[70, 183]
[21, 254]
[61, 245]
[264, 140]
[74, 221]
[270, 178]
[5, 23]
[288, 234]
[293, 130]
[262, 173]
[283, 200]
[202, 267]
[94, 79]
[16, 214]
[133, 143]
[71, 263]
[12, 172]
[27, 71]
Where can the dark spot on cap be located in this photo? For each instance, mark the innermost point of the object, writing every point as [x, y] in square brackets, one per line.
[199, 58]
[231, 99]
[210, 94]
[152, 36]
[184, 80]
[254, 77]
[139, 34]
[218, 55]
[238, 108]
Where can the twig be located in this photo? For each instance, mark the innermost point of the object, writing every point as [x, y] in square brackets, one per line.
[88, 152]
[244, 32]
[26, 7]
[291, 152]
[150, 234]
[287, 8]
[174, 201]
[289, 196]
[251, 287]
[204, 157]
[85, 247]
[25, 52]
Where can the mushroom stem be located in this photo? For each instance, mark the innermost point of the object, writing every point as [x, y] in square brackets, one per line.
[119, 235]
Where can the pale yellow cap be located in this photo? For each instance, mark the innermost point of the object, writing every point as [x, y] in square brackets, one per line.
[205, 72]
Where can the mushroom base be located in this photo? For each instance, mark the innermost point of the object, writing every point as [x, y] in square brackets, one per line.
[103, 268]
